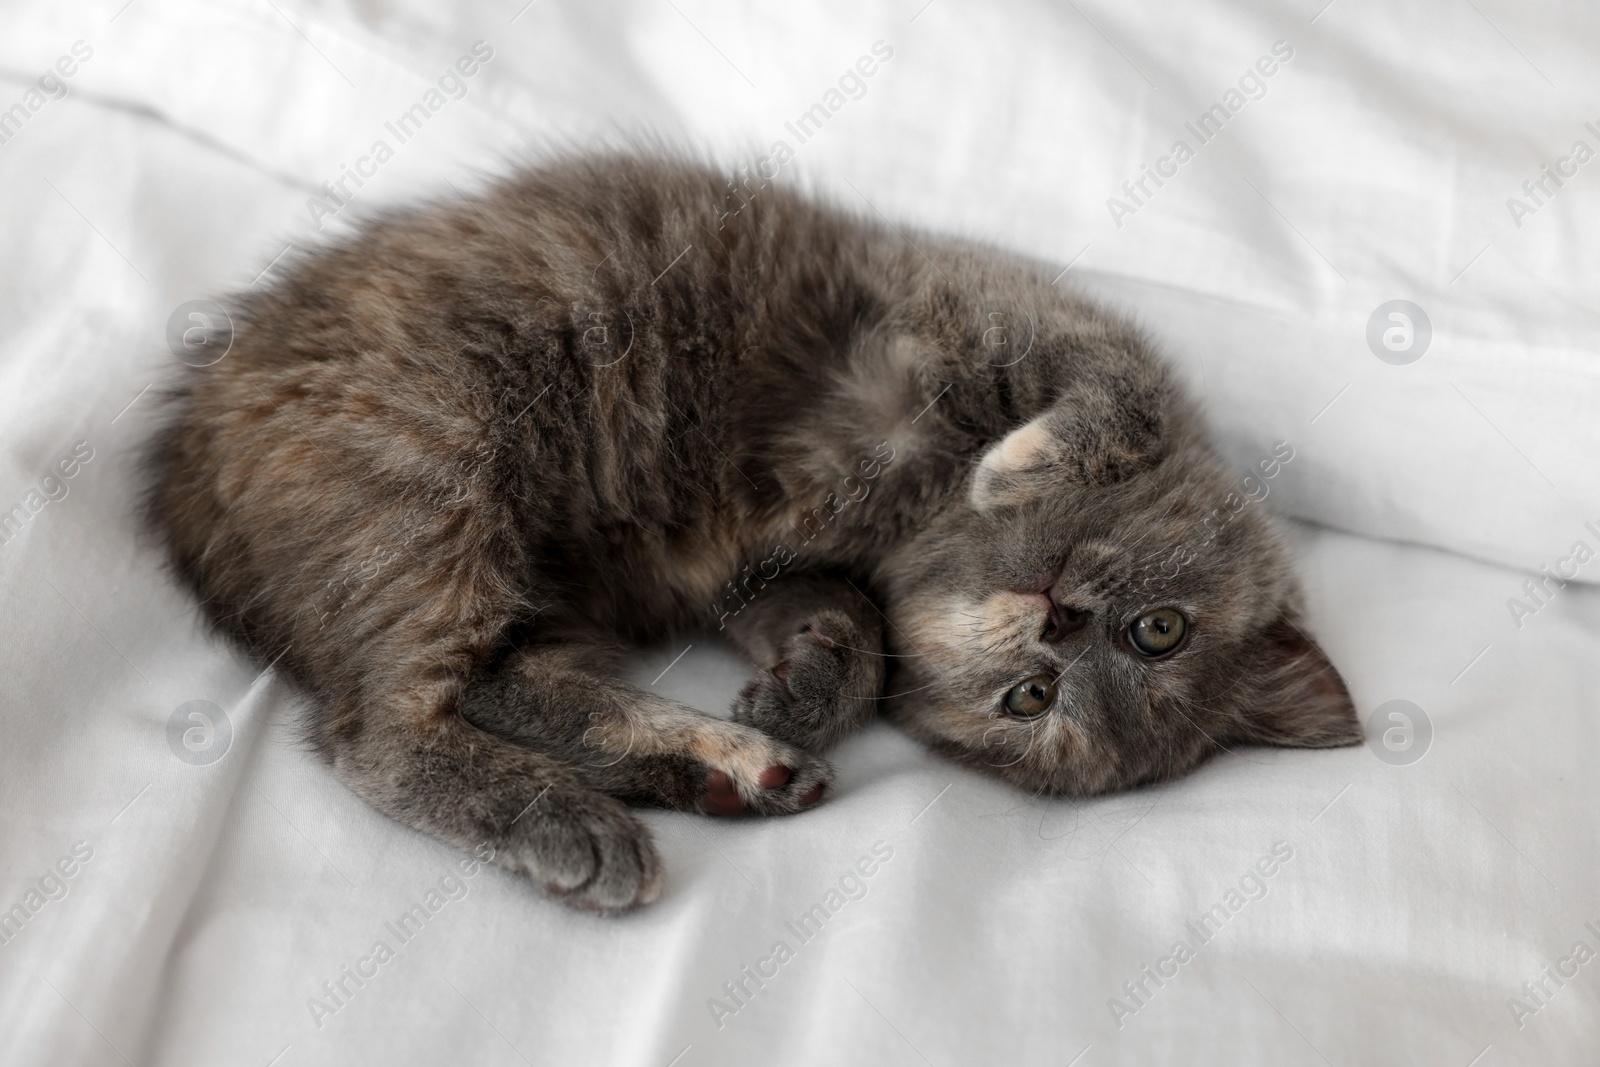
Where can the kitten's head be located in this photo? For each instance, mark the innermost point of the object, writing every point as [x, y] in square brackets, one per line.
[1079, 639]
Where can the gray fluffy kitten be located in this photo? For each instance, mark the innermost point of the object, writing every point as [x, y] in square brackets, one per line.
[453, 463]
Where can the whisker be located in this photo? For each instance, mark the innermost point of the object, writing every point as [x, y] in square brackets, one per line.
[885, 655]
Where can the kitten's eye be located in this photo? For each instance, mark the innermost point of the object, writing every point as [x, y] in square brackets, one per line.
[1032, 697]
[1158, 632]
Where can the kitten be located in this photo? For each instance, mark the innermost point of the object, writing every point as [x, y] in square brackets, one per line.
[454, 463]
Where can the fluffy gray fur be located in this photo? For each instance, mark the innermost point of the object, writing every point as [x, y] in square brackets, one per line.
[454, 463]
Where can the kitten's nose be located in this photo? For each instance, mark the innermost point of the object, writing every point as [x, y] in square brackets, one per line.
[1063, 622]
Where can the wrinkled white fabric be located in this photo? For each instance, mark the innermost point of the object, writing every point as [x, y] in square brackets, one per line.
[188, 885]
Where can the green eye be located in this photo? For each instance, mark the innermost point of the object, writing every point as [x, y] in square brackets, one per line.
[1158, 632]
[1032, 697]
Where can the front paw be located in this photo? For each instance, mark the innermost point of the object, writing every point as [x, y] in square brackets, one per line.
[824, 685]
[1118, 432]
[718, 768]
[789, 780]
[1094, 436]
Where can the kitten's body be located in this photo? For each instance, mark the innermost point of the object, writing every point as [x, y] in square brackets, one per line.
[448, 465]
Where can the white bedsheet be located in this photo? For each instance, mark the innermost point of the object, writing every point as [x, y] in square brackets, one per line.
[208, 902]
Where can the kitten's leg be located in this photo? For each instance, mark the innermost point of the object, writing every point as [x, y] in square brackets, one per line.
[820, 644]
[636, 745]
[391, 657]
[526, 811]
[407, 750]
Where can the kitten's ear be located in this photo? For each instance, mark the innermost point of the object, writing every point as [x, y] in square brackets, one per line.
[1300, 700]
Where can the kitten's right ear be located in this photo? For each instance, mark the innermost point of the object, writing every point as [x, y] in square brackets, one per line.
[1299, 698]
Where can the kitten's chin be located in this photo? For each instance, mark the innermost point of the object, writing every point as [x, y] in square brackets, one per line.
[1026, 771]
[1076, 784]
[1062, 782]
[1076, 767]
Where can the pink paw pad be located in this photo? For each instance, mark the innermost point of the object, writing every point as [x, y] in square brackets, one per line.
[720, 797]
[774, 776]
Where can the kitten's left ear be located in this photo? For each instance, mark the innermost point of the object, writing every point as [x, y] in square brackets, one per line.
[1300, 700]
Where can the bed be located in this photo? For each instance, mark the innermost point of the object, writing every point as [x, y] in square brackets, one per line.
[1376, 246]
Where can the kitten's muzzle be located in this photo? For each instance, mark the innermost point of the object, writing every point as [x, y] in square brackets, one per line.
[1062, 621]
